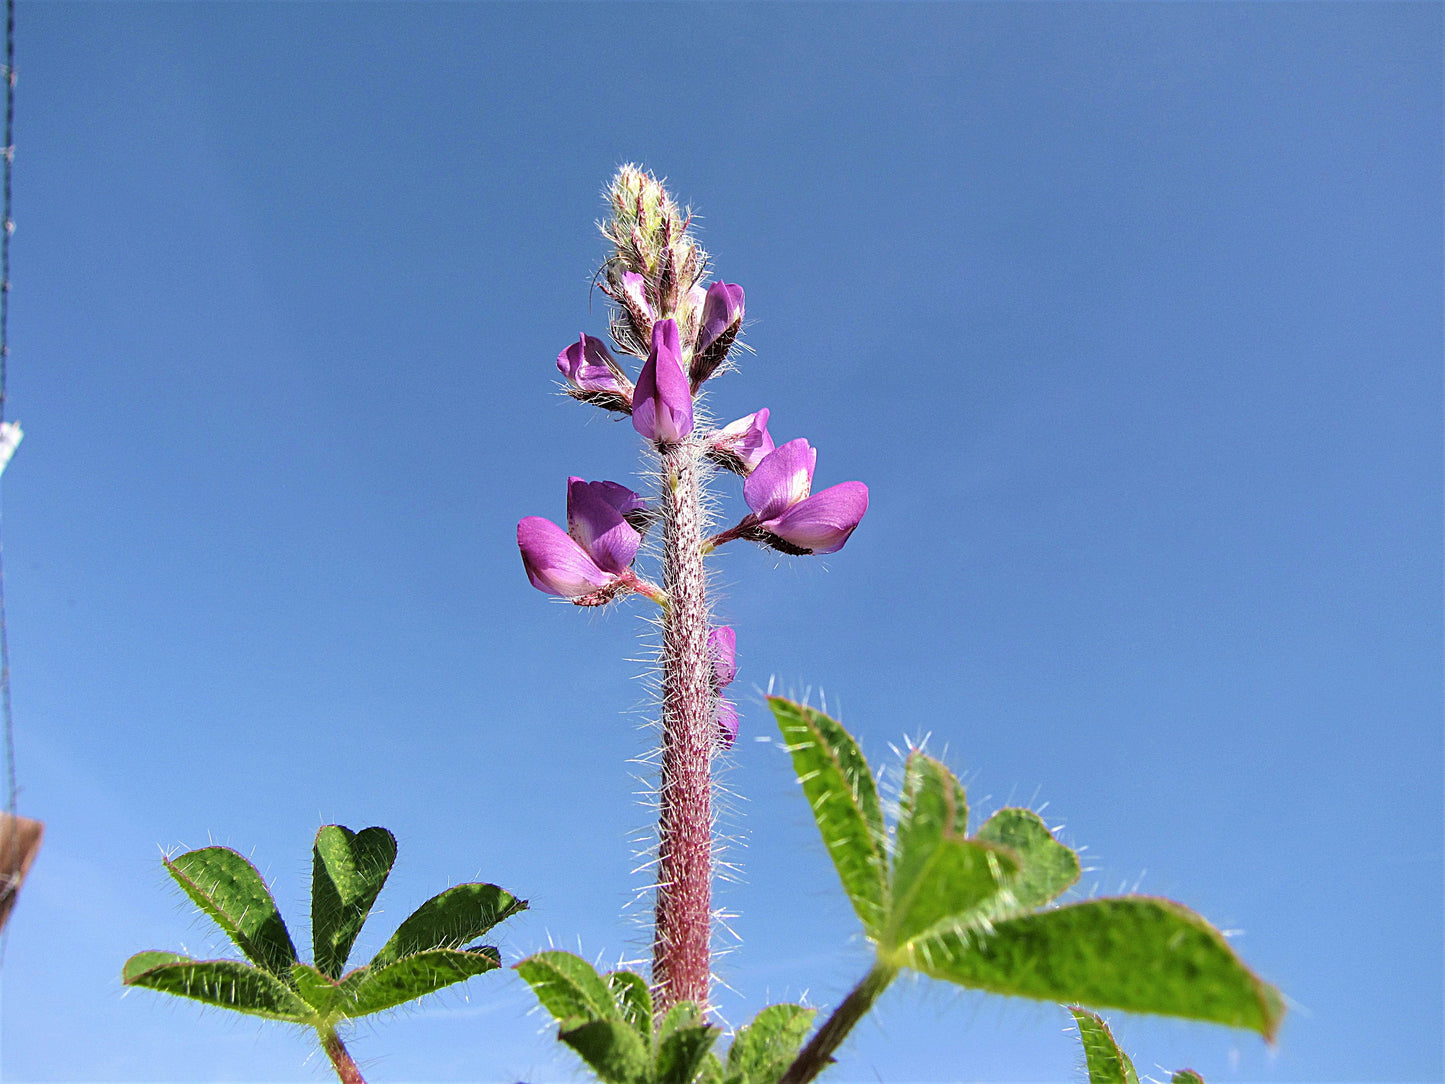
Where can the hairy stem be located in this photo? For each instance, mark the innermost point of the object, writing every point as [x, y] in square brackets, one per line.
[340, 1058]
[681, 954]
[818, 1054]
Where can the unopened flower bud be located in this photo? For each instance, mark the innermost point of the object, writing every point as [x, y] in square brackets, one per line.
[722, 319]
[741, 445]
[662, 402]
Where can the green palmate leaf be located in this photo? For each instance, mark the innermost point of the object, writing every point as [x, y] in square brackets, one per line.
[938, 874]
[844, 800]
[449, 920]
[1135, 953]
[614, 1051]
[1046, 867]
[634, 1001]
[227, 888]
[681, 1052]
[347, 871]
[568, 987]
[762, 1051]
[227, 984]
[1186, 1076]
[372, 989]
[1107, 1064]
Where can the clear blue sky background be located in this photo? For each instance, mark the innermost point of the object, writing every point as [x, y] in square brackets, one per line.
[1129, 315]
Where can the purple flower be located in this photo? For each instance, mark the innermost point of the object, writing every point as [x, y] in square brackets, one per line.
[780, 494]
[589, 367]
[722, 312]
[722, 645]
[594, 555]
[662, 404]
[722, 319]
[727, 724]
[741, 445]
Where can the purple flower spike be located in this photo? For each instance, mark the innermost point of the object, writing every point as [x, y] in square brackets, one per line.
[741, 445]
[662, 405]
[596, 514]
[722, 645]
[589, 367]
[780, 494]
[727, 724]
[555, 563]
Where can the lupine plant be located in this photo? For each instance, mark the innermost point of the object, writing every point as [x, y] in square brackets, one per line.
[971, 909]
[979, 909]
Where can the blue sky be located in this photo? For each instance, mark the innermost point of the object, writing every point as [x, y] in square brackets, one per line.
[1128, 314]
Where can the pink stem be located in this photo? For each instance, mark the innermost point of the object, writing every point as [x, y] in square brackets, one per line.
[340, 1058]
[681, 953]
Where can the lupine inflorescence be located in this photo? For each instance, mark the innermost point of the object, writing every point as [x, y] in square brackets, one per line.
[684, 331]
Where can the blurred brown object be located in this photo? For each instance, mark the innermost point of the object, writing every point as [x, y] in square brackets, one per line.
[19, 844]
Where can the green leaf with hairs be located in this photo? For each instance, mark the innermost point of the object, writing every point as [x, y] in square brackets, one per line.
[226, 984]
[1134, 953]
[347, 871]
[228, 889]
[634, 1001]
[681, 1051]
[1047, 868]
[449, 920]
[762, 1050]
[376, 988]
[1107, 1064]
[568, 987]
[144, 961]
[939, 875]
[614, 1051]
[1186, 1076]
[844, 801]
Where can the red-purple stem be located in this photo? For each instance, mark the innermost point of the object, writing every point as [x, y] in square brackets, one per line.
[681, 952]
[340, 1059]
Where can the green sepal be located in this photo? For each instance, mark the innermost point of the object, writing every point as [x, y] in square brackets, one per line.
[634, 1001]
[372, 989]
[762, 1050]
[1186, 1076]
[228, 889]
[844, 800]
[1047, 868]
[449, 920]
[226, 984]
[938, 874]
[568, 987]
[347, 871]
[615, 1052]
[681, 1052]
[1134, 953]
[1106, 1063]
